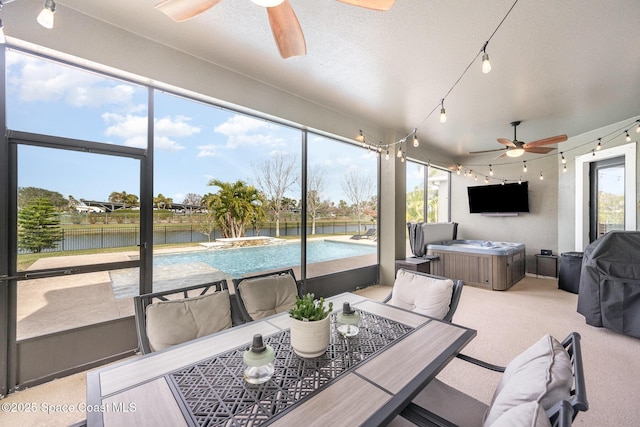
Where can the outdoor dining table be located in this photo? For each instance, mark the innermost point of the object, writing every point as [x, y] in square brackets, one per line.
[363, 380]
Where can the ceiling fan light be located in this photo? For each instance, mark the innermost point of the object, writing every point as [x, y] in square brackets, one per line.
[515, 152]
[268, 3]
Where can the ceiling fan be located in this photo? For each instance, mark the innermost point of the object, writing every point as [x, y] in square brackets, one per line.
[517, 148]
[283, 20]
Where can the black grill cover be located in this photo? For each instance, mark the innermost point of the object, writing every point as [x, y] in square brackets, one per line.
[609, 293]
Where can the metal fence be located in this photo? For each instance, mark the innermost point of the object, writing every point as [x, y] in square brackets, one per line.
[113, 237]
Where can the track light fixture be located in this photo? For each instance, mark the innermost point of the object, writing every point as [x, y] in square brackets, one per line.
[486, 65]
[46, 15]
[443, 113]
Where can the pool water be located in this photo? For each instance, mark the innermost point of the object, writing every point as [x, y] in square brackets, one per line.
[239, 261]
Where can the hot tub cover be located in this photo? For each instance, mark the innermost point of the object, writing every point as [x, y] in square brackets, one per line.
[609, 294]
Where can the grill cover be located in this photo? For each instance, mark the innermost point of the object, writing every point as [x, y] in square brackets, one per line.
[609, 294]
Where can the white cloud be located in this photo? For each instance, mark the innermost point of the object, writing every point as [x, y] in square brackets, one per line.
[37, 80]
[207, 150]
[133, 130]
[244, 131]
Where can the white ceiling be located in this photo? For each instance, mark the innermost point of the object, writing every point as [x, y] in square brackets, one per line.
[559, 66]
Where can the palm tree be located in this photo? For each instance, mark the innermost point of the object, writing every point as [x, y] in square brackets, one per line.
[235, 206]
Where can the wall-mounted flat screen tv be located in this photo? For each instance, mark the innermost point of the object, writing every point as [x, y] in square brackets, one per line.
[499, 198]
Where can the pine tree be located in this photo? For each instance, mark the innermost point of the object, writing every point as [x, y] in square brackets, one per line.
[38, 226]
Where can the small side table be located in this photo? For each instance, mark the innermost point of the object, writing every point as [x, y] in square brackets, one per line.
[421, 265]
[553, 257]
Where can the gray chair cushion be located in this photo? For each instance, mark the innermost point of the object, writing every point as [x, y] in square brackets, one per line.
[265, 296]
[422, 294]
[174, 322]
[542, 373]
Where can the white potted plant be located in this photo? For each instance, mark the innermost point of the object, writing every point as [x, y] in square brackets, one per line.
[310, 326]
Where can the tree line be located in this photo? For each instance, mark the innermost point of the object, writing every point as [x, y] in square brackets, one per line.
[231, 209]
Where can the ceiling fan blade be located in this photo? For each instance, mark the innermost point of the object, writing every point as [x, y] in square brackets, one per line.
[181, 10]
[507, 142]
[539, 150]
[488, 151]
[546, 141]
[381, 5]
[286, 30]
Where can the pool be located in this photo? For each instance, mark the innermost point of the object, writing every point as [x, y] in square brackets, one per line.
[239, 261]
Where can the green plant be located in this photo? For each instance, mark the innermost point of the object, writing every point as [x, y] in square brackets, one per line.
[309, 309]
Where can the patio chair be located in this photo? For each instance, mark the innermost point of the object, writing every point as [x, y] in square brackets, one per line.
[426, 294]
[369, 234]
[168, 318]
[266, 294]
[543, 386]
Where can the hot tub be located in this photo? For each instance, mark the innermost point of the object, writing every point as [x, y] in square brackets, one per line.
[484, 263]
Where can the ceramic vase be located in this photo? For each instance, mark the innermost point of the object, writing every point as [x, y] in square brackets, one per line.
[310, 339]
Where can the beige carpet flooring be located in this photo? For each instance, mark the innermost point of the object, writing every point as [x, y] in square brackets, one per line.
[507, 323]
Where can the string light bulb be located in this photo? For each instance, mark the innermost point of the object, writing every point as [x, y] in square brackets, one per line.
[416, 143]
[628, 137]
[486, 179]
[3, 40]
[443, 113]
[564, 168]
[541, 177]
[386, 156]
[458, 169]
[638, 128]
[564, 161]
[524, 165]
[399, 154]
[486, 65]
[360, 137]
[519, 180]
[599, 146]
[490, 170]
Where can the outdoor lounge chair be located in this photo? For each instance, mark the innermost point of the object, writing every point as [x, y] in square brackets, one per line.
[180, 315]
[543, 386]
[265, 294]
[369, 234]
[427, 294]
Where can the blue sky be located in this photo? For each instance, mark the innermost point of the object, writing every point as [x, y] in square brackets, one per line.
[194, 142]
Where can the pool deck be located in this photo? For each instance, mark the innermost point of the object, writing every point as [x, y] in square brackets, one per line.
[59, 303]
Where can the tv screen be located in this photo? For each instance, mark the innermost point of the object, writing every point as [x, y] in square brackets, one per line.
[507, 198]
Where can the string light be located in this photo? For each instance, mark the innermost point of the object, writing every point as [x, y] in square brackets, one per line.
[564, 169]
[520, 180]
[524, 166]
[638, 128]
[541, 177]
[599, 146]
[490, 170]
[564, 161]
[443, 113]
[416, 143]
[360, 137]
[628, 138]
[504, 181]
[486, 65]
[458, 170]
